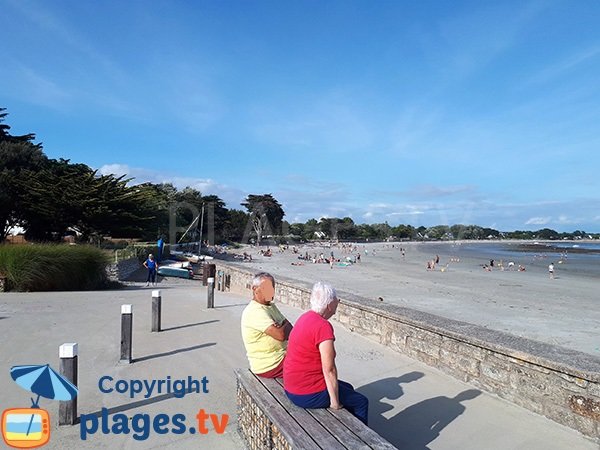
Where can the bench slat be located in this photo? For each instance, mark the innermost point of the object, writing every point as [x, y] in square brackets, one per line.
[367, 434]
[350, 424]
[287, 426]
[309, 423]
[336, 427]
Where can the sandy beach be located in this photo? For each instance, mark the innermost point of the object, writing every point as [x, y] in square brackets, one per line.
[561, 311]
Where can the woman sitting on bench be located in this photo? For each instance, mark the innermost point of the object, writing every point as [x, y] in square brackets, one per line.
[309, 371]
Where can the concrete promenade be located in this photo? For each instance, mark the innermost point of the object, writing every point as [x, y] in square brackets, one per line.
[412, 405]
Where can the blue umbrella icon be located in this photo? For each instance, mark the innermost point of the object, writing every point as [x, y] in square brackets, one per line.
[45, 382]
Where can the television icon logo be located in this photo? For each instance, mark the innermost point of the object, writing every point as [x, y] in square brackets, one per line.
[25, 427]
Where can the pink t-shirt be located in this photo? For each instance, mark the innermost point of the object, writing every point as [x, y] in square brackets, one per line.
[302, 369]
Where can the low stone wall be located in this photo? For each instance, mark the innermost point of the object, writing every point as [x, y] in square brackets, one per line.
[123, 269]
[559, 383]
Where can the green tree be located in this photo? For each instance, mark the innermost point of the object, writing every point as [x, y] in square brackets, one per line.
[310, 227]
[404, 231]
[346, 229]
[65, 195]
[546, 233]
[19, 162]
[437, 232]
[19, 159]
[266, 214]
[216, 215]
[297, 230]
[235, 225]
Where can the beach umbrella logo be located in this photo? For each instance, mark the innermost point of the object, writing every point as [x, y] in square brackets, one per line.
[30, 427]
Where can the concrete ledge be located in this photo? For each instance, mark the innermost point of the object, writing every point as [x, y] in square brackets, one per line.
[559, 383]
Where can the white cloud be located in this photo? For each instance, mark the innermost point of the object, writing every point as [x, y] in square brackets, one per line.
[231, 195]
[563, 219]
[538, 221]
[114, 169]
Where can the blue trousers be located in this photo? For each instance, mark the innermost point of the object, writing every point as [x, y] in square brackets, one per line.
[356, 403]
[151, 275]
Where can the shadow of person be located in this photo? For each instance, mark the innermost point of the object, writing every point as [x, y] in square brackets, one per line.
[420, 424]
[386, 388]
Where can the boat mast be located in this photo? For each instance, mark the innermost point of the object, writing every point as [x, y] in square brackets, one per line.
[201, 226]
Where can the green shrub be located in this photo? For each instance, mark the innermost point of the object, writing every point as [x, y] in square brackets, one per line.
[53, 267]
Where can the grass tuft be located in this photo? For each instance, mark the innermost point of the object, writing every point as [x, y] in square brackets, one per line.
[53, 267]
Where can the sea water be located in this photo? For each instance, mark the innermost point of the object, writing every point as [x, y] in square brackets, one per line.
[566, 256]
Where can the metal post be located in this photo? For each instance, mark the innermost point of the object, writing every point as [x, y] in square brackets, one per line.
[67, 410]
[156, 310]
[126, 333]
[211, 293]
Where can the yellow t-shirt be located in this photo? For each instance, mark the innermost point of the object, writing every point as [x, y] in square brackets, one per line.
[264, 352]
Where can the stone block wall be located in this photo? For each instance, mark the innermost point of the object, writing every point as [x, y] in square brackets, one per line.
[559, 383]
[122, 269]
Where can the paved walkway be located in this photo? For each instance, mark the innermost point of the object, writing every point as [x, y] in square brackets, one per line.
[412, 405]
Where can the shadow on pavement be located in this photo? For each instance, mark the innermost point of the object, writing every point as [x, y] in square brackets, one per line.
[174, 352]
[188, 325]
[417, 425]
[230, 306]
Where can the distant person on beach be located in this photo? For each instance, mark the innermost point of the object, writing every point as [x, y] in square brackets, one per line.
[551, 270]
[265, 330]
[152, 265]
[310, 377]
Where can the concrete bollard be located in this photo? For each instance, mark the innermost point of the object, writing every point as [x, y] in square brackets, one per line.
[156, 310]
[126, 333]
[211, 293]
[67, 410]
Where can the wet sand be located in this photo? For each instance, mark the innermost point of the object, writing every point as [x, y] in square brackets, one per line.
[564, 311]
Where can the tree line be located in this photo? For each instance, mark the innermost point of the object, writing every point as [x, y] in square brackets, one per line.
[50, 198]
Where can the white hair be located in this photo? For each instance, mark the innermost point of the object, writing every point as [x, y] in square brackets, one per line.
[261, 276]
[321, 296]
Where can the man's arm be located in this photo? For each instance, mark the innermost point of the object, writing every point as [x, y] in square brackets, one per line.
[280, 332]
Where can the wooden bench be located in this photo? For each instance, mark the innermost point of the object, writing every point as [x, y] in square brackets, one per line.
[268, 420]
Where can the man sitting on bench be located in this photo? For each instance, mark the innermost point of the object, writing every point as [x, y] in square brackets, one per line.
[265, 330]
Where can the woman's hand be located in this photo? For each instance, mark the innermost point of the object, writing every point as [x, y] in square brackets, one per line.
[336, 406]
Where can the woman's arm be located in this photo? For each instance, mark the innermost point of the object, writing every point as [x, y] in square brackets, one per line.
[327, 351]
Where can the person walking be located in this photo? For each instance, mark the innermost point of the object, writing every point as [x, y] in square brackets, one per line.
[551, 270]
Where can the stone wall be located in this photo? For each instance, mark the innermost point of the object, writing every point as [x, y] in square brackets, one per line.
[123, 269]
[559, 383]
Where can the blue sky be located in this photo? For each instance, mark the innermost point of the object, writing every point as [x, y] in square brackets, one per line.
[417, 112]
